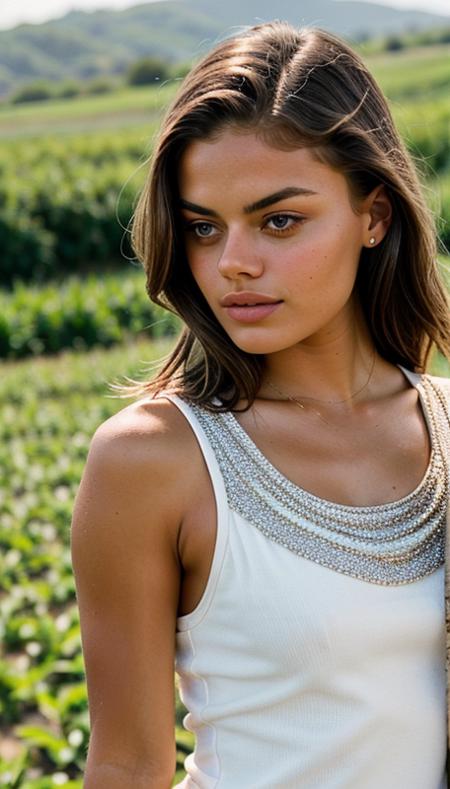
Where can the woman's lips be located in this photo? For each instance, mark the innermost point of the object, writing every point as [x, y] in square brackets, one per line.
[251, 313]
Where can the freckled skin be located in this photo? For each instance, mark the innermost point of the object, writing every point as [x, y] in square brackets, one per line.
[311, 267]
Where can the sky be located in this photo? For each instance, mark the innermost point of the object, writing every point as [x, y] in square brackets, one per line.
[13, 12]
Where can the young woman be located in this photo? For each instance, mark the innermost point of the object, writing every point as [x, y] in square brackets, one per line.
[270, 513]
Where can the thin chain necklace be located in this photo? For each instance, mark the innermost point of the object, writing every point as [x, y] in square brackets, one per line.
[299, 403]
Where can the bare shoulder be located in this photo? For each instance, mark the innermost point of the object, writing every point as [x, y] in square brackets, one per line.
[149, 441]
[131, 501]
[141, 473]
[147, 429]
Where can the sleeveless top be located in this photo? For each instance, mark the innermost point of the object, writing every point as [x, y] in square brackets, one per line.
[301, 669]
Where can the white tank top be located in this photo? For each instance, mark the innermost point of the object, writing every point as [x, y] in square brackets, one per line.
[299, 676]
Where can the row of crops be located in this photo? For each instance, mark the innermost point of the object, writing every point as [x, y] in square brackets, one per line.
[65, 201]
[79, 313]
[68, 184]
[50, 409]
[74, 208]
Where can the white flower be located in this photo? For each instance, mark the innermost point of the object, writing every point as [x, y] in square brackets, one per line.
[66, 754]
[48, 532]
[62, 623]
[62, 493]
[75, 738]
[22, 664]
[27, 630]
[33, 649]
[12, 557]
[60, 778]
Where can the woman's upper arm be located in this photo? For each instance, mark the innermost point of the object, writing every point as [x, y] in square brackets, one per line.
[127, 576]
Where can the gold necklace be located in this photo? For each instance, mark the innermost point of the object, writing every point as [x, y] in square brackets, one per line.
[299, 403]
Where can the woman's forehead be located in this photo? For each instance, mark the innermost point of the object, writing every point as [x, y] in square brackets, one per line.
[243, 160]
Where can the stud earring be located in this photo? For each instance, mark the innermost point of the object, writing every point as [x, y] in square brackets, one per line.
[372, 240]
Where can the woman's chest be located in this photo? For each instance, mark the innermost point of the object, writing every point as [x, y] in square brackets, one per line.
[364, 460]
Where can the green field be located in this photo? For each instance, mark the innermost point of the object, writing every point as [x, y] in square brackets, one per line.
[412, 73]
[122, 108]
[69, 170]
[50, 409]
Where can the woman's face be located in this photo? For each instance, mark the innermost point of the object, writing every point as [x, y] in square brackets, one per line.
[272, 241]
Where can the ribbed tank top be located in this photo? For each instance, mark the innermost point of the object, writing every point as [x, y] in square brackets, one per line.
[296, 676]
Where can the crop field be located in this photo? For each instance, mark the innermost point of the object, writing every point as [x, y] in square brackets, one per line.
[121, 108]
[50, 409]
[70, 171]
[413, 73]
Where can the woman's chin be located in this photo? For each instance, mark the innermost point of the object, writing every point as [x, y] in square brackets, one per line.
[260, 345]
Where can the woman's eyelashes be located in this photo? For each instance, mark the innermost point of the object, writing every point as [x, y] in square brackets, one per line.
[282, 223]
[202, 229]
[276, 224]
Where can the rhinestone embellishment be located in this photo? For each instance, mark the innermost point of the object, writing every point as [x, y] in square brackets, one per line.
[388, 544]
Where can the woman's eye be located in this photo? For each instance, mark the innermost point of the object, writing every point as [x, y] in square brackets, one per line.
[202, 229]
[281, 222]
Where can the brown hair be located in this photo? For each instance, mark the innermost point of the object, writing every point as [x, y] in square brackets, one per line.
[296, 87]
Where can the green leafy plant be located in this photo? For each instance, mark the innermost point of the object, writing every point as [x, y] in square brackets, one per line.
[51, 408]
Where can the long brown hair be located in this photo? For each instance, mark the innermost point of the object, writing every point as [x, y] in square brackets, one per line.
[296, 87]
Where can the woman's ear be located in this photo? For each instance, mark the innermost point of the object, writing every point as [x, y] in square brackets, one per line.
[378, 212]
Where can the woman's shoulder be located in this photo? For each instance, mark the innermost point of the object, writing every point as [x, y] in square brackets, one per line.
[150, 437]
[153, 415]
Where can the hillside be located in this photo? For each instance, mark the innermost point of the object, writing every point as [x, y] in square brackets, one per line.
[83, 45]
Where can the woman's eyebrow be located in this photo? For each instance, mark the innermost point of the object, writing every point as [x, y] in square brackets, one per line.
[282, 194]
[197, 209]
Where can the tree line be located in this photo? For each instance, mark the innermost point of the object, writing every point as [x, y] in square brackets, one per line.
[151, 70]
[145, 71]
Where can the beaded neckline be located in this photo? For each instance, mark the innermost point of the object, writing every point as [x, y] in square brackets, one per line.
[393, 543]
[253, 448]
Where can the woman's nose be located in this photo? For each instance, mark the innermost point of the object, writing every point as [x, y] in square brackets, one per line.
[239, 256]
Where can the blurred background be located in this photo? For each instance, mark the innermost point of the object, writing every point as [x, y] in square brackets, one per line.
[82, 90]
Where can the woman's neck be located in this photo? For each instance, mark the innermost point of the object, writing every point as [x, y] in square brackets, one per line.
[337, 367]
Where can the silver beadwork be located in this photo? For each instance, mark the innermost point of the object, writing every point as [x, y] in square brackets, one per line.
[389, 544]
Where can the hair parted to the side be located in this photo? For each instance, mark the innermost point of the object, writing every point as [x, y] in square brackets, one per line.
[296, 88]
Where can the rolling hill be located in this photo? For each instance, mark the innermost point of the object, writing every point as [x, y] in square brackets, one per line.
[83, 45]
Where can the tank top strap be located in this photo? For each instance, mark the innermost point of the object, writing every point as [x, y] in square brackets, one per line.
[222, 511]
